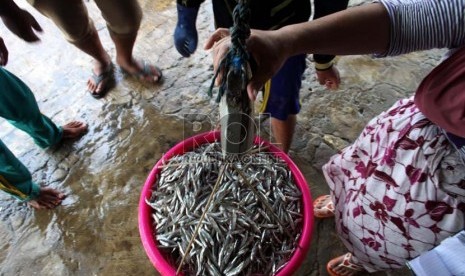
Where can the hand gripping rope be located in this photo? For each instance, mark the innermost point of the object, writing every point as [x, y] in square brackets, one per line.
[236, 109]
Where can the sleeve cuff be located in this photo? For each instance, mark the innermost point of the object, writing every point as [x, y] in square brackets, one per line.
[323, 66]
[35, 191]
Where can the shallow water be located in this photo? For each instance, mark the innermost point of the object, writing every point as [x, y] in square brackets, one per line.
[95, 231]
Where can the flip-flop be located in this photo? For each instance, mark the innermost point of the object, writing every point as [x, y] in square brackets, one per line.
[323, 207]
[108, 77]
[146, 71]
[343, 262]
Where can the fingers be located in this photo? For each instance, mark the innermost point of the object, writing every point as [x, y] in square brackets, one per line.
[35, 25]
[30, 35]
[51, 193]
[258, 80]
[252, 92]
[329, 78]
[3, 53]
[40, 204]
[219, 43]
[219, 51]
[218, 35]
[331, 85]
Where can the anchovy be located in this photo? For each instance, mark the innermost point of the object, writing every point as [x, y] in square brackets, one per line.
[249, 226]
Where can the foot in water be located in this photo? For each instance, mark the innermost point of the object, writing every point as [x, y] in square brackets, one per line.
[74, 129]
[141, 70]
[48, 199]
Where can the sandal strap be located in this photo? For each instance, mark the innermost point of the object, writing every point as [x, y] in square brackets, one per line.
[146, 70]
[108, 72]
[347, 261]
[327, 208]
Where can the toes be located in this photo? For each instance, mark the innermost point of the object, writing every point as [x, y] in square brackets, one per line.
[99, 87]
[74, 129]
[154, 76]
[322, 201]
[74, 125]
[90, 87]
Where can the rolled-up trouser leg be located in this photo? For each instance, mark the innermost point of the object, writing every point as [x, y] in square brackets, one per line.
[123, 17]
[15, 178]
[70, 16]
[18, 105]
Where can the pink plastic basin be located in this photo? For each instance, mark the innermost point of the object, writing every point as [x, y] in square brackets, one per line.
[146, 222]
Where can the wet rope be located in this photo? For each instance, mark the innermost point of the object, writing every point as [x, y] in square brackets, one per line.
[237, 58]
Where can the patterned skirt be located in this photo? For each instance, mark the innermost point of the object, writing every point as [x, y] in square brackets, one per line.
[387, 189]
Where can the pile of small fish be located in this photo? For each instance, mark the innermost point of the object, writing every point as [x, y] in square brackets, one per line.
[247, 227]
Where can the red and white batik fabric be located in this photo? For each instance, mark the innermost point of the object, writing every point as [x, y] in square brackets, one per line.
[385, 187]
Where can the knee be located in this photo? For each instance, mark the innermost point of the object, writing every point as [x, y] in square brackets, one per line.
[127, 23]
[71, 18]
[77, 35]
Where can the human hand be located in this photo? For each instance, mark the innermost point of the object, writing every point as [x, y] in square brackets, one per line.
[185, 34]
[329, 77]
[265, 48]
[219, 42]
[3, 53]
[23, 24]
[48, 199]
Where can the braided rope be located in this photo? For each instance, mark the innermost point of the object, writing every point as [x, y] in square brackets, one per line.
[237, 57]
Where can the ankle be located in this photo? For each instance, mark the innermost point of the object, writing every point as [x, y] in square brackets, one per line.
[124, 61]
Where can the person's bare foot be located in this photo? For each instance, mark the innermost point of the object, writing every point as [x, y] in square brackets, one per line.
[329, 77]
[102, 79]
[343, 265]
[141, 70]
[48, 199]
[74, 129]
[323, 207]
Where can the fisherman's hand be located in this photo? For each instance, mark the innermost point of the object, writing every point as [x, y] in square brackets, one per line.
[219, 42]
[22, 23]
[264, 47]
[3, 53]
[185, 34]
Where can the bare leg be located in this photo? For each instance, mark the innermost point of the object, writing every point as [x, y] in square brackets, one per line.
[73, 20]
[283, 131]
[102, 61]
[124, 46]
[48, 199]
